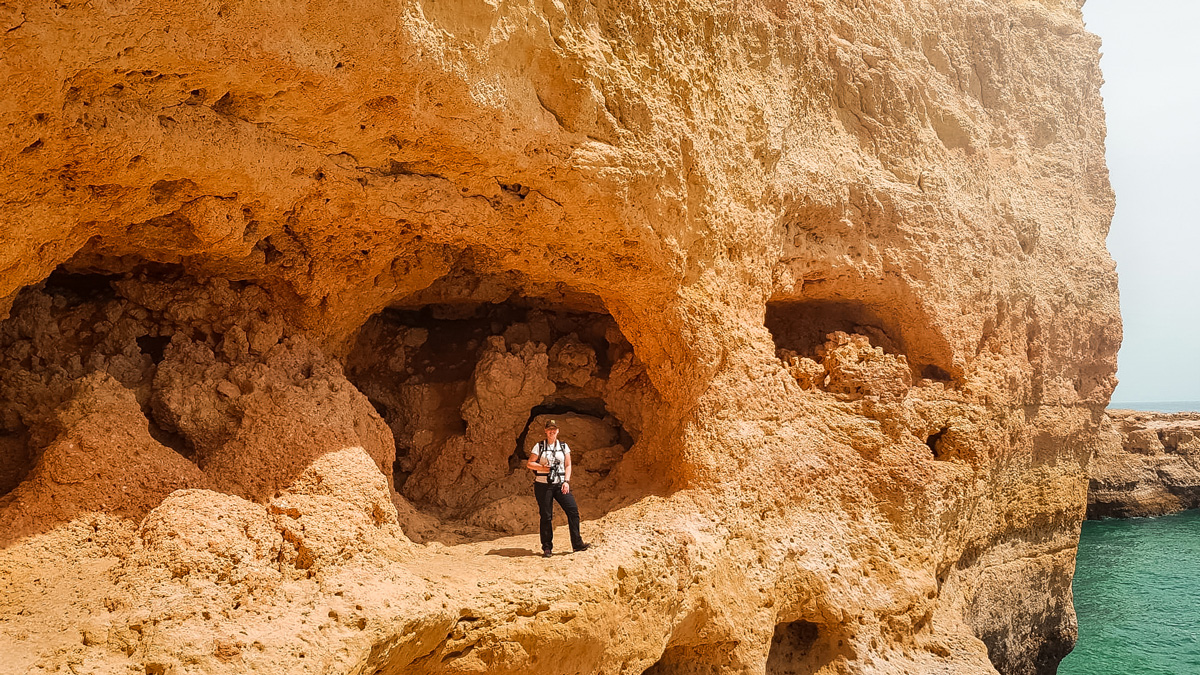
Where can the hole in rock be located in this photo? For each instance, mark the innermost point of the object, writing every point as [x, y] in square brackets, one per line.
[934, 442]
[466, 388]
[801, 330]
[74, 289]
[936, 373]
[171, 439]
[581, 408]
[793, 649]
[154, 346]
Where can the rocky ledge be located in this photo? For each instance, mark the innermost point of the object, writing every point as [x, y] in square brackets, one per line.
[1148, 466]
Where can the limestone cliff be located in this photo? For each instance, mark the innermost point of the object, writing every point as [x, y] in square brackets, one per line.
[1149, 465]
[818, 290]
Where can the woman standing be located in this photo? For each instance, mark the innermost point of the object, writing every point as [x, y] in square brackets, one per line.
[550, 461]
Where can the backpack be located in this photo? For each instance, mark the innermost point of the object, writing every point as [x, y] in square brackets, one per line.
[558, 470]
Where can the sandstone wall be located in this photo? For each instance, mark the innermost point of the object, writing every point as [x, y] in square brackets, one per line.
[1149, 465]
[822, 283]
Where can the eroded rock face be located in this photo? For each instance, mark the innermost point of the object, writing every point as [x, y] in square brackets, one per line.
[1148, 465]
[291, 291]
[102, 458]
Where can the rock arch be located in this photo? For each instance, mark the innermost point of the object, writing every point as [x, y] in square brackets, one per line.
[465, 380]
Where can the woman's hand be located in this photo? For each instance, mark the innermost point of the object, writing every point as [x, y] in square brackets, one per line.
[566, 488]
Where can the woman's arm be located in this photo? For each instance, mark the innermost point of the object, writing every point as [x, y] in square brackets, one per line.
[533, 464]
[566, 488]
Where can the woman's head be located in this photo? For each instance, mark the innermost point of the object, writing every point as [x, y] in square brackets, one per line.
[551, 430]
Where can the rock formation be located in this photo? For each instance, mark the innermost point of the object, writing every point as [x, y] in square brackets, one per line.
[1149, 465]
[818, 291]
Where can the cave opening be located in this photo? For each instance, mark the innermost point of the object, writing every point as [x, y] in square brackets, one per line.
[584, 408]
[936, 373]
[935, 443]
[793, 649]
[154, 346]
[202, 379]
[74, 288]
[466, 386]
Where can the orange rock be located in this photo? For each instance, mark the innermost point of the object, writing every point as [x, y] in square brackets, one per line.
[284, 258]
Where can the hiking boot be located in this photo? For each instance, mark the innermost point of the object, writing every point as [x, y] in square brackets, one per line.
[582, 548]
[547, 553]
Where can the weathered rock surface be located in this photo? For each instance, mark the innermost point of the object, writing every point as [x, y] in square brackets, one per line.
[821, 287]
[101, 459]
[1149, 465]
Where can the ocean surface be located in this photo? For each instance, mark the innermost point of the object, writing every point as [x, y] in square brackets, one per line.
[1158, 406]
[1137, 594]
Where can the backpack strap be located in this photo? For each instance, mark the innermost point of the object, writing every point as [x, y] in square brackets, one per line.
[541, 453]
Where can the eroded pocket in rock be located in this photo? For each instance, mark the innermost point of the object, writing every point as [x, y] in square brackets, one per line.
[466, 388]
[76, 432]
[796, 649]
[70, 325]
[849, 348]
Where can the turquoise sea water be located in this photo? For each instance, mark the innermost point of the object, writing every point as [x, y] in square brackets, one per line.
[1137, 594]
[1158, 406]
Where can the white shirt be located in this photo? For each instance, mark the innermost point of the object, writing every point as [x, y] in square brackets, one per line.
[558, 451]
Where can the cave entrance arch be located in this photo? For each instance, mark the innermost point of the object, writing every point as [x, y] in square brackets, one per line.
[466, 386]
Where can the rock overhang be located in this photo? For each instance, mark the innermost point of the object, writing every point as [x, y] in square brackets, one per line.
[940, 167]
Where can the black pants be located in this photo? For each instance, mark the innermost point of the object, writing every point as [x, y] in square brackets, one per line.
[546, 496]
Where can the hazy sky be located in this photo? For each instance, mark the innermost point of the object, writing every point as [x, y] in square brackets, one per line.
[1151, 94]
